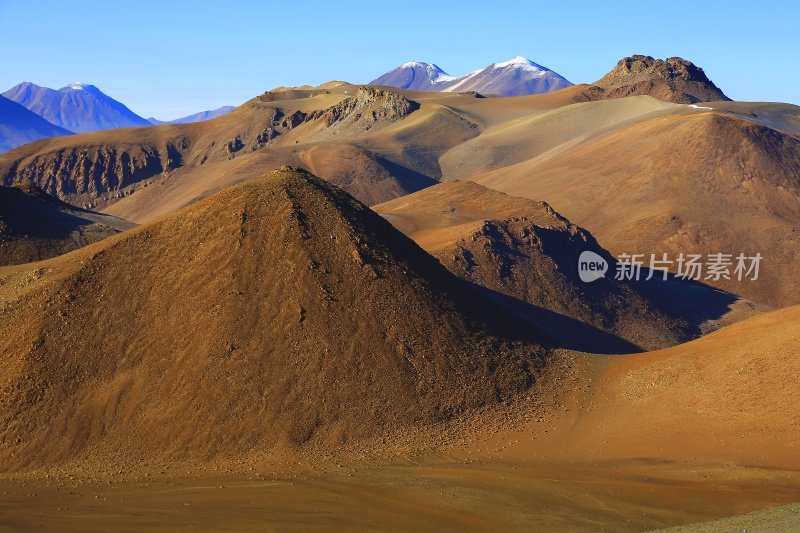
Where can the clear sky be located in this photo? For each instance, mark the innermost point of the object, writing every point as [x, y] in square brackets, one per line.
[169, 58]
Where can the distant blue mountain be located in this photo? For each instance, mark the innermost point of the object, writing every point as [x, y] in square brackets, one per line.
[197, 117]
[78, 107]
[19, 126]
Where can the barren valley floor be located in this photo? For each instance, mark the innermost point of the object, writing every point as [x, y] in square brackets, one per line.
[551, 466]
[512, 494]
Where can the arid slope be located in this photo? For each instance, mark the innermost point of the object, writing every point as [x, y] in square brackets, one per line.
[278, 314]
[727, 397]
[704, 182]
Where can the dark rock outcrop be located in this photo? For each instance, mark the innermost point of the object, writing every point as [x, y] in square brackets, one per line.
[673, 80]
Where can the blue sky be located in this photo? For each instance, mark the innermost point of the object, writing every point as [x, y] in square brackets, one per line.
[168, 59]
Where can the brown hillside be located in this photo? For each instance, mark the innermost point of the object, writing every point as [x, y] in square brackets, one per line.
[526, 250]
[727, 398]
[36, 226]
[703, 183]
[374, 164]
[98, 169]
[278, 313]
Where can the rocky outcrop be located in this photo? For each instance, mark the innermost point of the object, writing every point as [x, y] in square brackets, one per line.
[94, 175]
[673, 80]
[370, 108]
[279, 124]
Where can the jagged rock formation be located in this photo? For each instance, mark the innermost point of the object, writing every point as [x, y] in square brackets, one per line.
[672, 80]
[95, 175]
[370, 108]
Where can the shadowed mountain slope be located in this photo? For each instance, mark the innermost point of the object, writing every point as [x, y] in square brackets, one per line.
[36, 226]
[526, 250]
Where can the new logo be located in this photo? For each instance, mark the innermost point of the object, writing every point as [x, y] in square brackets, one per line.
[591, 266]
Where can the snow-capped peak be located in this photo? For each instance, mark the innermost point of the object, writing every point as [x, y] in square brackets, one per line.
[83, 87]
[435, 73]
[515, 77]
[519, 61]
[416, 64]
